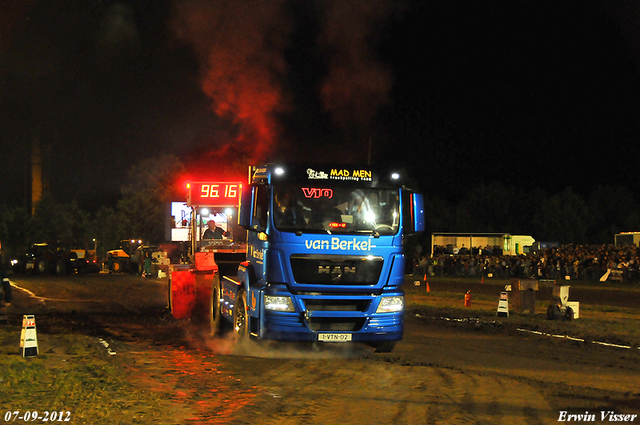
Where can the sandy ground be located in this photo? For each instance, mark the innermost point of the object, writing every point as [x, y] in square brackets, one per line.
[443, 372]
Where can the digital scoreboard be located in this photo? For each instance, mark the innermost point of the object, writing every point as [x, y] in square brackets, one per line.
[215, 194]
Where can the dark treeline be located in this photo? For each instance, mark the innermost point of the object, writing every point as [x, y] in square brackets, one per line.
[566, 216]
[140, 213]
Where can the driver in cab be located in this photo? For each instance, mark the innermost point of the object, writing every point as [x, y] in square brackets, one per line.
[214, 232]
[286, 212]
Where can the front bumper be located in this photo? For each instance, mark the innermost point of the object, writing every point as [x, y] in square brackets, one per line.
[318, 314]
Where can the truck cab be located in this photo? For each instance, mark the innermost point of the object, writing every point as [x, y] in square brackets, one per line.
[325, 258]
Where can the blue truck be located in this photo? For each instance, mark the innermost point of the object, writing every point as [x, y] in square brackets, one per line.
[324, 257]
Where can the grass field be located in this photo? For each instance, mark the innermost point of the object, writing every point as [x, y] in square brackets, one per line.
[75, 379]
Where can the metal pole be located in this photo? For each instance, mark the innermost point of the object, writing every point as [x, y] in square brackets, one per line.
[193, 232]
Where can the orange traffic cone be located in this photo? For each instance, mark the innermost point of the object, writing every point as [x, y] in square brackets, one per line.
[426, 283]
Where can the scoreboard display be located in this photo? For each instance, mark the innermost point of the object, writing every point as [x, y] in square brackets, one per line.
[215, 194]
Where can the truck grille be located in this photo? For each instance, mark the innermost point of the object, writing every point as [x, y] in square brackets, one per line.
[336, 305]
[336, 270]
[329, 324]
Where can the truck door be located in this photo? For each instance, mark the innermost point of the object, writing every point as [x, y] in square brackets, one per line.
[257, 235]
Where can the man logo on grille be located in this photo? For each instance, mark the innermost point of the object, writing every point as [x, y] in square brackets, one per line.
[336, 272]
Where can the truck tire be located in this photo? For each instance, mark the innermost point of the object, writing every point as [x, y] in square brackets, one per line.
[41, 266]
[118, 267]
[553, 312]
[568, 314]
[241, 316]
[216, 321]
[61, 268]
[385, 347]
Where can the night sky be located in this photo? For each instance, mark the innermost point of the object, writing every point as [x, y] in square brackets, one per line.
[529, 93]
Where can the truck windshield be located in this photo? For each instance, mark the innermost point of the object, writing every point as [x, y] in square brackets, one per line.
[299, 208]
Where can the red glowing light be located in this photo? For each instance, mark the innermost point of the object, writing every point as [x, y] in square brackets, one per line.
[336, 225]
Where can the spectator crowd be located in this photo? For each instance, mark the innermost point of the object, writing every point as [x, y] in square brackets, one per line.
[582, 262]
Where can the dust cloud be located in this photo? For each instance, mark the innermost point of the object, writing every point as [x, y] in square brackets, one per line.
[229, 345]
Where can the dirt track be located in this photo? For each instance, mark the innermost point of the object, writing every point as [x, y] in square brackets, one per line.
[441, 373]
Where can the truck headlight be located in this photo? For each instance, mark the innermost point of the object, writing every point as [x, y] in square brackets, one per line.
[278, 303]
[390, 304]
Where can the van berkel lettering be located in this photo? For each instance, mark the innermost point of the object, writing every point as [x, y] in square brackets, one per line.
[337, 244]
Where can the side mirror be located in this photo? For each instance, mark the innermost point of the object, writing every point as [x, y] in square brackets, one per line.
[418, 212]
[413, 212]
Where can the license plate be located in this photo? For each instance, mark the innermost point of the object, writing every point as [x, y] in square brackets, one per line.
[334, 337]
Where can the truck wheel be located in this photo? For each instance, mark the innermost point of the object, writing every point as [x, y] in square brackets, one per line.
[241, 316]
[61, 268]
[216, 319]
[568, 314]
[41, 266]
[385, 347]
[553, 312]
[117, 266]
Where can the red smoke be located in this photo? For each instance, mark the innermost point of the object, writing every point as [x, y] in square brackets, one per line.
[240, 46]
[241, 43]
